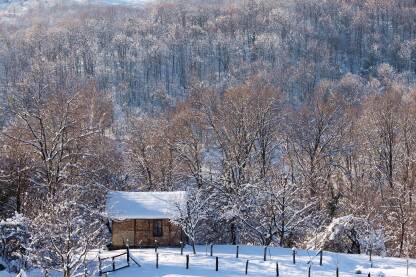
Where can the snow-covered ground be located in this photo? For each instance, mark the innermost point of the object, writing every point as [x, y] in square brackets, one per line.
[172, 264]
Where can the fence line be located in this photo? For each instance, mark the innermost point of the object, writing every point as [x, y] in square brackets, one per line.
[217, 265]
[113, 263]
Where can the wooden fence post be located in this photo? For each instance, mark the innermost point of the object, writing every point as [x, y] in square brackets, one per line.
[320, 257]
[212, 246]
[237, 250]
[337, 272]
[265, 254]
[181, 247]
[309, 271]
[128, 255]
[277, 268]
[156, 245]
[294, 255]
[407, 267]
[114, 263]
[246, 267]
[100, 271]
[187, 261]
[216, 263]
[157, 260]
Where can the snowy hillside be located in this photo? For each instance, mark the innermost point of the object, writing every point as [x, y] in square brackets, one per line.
[171, 263]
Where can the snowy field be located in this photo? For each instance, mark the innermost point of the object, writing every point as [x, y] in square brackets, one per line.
[172, 264]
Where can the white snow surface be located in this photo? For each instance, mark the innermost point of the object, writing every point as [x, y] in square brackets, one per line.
[172, 264]
[144, 205]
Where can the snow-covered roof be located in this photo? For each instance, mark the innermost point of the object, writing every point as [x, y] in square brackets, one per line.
[144, 205]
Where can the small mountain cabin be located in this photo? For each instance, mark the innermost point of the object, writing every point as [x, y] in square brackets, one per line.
[142, 219]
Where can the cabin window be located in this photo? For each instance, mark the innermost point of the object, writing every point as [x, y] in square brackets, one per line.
[157, 228]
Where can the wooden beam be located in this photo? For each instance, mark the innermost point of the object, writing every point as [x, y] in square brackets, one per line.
[169, 239]
[134, 233]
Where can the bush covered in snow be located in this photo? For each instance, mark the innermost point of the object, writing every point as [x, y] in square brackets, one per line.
[350, 234]
[64, 232]
[14, 237]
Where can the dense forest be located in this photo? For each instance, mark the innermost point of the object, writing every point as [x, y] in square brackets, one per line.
[280, 119]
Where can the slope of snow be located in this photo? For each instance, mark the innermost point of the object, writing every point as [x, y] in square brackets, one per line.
[171, 263]
[5, 273]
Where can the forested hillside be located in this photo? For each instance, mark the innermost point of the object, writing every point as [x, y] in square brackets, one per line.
[158, 53]
[282, 120]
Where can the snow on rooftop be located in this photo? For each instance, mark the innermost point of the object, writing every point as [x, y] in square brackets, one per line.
[144, 205]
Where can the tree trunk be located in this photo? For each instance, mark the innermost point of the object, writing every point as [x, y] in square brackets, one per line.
[193, 246]
[233, 231]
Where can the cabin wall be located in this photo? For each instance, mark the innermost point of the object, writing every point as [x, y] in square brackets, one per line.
[139, 232]
[121, 231]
